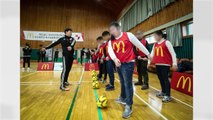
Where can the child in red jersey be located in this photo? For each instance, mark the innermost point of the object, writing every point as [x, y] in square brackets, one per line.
[122, 53]
[164, 57]
[101, 59]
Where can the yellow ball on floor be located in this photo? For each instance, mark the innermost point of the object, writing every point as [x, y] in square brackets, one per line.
[94, 74]
[95, 84]
[94, 78]
[102, 102]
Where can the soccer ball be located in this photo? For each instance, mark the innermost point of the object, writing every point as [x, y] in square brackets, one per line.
[95, 84]
[94, 78]
[94, 74]
[102, 102]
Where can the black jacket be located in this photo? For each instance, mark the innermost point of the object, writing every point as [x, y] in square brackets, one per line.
[27, 52]
[65, 42]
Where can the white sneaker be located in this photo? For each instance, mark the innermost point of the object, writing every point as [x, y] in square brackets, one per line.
[28, 69]
[23, 69]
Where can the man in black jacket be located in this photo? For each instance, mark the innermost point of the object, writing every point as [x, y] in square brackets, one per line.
[67, 43]
[26, 56]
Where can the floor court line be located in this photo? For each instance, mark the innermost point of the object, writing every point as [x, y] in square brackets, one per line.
[171, 96]
[28, 74]
[74, 98]
[156, 111]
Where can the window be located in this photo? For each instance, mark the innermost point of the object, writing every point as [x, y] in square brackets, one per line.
[187, 28]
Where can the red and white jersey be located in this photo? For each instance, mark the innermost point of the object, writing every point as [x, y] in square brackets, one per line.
[140, 53]
[101, 51]
[162, 54]
[107, 53]
[123, 48]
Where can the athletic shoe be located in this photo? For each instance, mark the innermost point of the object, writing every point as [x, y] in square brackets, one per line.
[67, 84]
[120, 101]
[28, 69]
[110, 88]
[104, 81]
[64, 89]
[23, 69]
[160, 94]
[107, 85]
[127, 112]
[166, 99]
[138, 83]
[144, 87]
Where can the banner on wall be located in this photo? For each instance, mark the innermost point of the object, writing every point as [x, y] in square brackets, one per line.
[50, 36]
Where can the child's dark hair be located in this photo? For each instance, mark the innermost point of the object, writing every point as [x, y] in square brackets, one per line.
[105, 33]
[159, 32]
[99, 38]
[67, 29]
[115, 24]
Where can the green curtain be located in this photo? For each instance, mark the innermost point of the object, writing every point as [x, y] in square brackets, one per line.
[141, 10]
[185, 51]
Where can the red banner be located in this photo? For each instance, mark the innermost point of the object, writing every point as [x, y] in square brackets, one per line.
[91, 66]
[45, 66]
[182, 82]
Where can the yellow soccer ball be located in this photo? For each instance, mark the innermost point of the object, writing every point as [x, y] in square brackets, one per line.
[94, 78]
[95, 84]
[94, 74]
[102, 102]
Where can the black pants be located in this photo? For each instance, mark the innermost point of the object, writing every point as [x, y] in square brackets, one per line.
[42, 58]
[26, 60]
[67, 65]
[81, 59]
[102, 70]
[142, 71]
[163, 76]
[56, 59]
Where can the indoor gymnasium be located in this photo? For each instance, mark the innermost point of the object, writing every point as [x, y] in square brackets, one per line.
[106, 59]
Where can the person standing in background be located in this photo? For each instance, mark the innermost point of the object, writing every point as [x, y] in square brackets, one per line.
[43, 54]
[56, 55]
[26, 56]
[39, 52]
[82, 55]
[142, 61]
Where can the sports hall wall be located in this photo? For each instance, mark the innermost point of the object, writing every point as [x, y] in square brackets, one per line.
[55, 15]
[170, 13]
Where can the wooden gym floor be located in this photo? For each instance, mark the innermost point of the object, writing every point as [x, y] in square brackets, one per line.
[41, 99]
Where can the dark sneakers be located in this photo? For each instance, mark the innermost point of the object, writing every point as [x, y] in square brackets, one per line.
[139, 83]
[67, 84]
[144, 87]
[166, 99]
[110, 88]
[64, 89]
[127, 112]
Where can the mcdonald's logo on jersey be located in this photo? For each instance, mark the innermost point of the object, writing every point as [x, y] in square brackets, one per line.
[119, 46]
[45, 66]
[159, 51]
[182, 82]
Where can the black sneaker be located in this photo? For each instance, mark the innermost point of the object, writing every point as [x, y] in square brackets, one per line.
[138, 83]
[110, 87]
[166, 99]
[66, 84]
[107, 85]
[144, 87]
[64, 89]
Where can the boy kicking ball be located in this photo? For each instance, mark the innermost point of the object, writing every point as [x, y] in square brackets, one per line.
[164, 57]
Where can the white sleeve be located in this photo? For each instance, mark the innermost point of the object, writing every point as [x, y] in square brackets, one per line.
[152, 53]
[110, 51]
[137, 43]
[172, 52]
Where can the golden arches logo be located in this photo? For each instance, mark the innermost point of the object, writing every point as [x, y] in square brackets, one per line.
[45, 66]
[118, 46]
[101, 50]
[182, 78]
[30, 35]
[159, 50]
